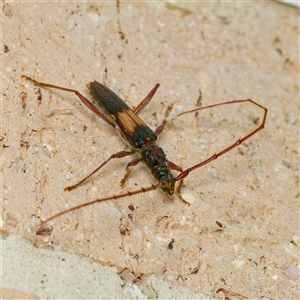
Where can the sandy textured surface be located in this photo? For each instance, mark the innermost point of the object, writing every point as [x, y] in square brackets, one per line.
[50, 140]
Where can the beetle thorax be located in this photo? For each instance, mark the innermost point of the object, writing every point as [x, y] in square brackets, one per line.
[156, 160]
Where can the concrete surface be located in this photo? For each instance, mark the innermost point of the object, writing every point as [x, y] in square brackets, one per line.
[50, 140]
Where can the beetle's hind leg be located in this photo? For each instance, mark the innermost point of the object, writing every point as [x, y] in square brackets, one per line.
[85, 101]
[146, 101]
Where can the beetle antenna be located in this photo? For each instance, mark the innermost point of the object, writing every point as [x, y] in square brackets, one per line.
[114, 197]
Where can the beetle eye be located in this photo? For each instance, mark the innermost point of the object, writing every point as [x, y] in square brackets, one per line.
[163, 183]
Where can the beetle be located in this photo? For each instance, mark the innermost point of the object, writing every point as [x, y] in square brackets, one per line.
[141, 138]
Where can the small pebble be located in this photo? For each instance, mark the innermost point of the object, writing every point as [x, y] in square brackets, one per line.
[286, 164]
[213, 172]
[66, 175]
[292, 272]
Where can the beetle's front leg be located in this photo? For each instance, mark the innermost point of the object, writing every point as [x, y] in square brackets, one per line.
[132, 163]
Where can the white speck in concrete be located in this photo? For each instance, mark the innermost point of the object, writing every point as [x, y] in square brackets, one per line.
[66, 175]
[292, 272]
[238, 263]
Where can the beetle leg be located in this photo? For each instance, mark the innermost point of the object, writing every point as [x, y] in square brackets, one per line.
[146, 101]
[116, 155]
[85, 101]
[173, 166]
[178, 192]
[132, 163]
